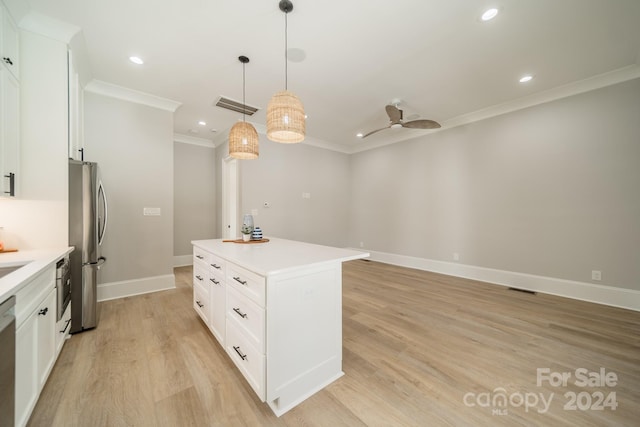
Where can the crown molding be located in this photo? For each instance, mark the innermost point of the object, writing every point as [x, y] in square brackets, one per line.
[193, 140]
[309, 140]
[114, 91]
[575, 88]
[49, 27]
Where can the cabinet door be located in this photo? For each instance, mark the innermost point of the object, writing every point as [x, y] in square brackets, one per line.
[46, 317]
[217, 295]
[9, 130]
[10, 46]
[26, 368]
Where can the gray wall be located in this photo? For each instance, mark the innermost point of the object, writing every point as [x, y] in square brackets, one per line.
[194, 196]
[281, 174]
[133, 145]
[551, 190]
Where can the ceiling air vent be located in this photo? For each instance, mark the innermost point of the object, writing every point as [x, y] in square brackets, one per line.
[236, 106]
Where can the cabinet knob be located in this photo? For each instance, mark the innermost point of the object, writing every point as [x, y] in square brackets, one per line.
[7, 60]
[43, 312]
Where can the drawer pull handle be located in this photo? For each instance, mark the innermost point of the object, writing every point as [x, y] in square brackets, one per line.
[7, 60]
[44, 311]
[215, 282]
[199, 304]
[242, 356]
[199, 278]
[216, 266]
[241, 314]
[199, 257]
[242, 282]
[66, 326]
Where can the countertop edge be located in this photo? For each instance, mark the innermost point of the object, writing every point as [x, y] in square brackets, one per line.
[36, 261]
[349, 254]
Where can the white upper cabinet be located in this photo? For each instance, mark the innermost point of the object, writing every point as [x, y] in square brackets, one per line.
[9, 44]
[9, 106]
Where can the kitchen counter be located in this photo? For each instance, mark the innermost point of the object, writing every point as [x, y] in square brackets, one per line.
[277, 255]
[32, 261]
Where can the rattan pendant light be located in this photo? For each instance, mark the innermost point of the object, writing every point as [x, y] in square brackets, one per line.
[243, 137]
[285, 113]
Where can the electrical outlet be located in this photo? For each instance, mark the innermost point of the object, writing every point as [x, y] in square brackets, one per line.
[362, 244]
[596, 275]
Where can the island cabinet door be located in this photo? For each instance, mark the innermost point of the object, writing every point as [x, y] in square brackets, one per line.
[247, 358]
[304, 333]
[217, 302]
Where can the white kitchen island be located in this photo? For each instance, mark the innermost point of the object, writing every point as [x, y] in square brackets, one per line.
[276, 308]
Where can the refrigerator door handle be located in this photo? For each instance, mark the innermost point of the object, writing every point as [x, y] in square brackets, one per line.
[97, 263]
[102, 198]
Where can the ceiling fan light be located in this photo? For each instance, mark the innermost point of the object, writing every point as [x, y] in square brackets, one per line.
[285, 118]
[243, 141]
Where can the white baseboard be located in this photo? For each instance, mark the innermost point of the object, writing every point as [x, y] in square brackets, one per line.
[607, 295]
[127, 288]
[182, 260]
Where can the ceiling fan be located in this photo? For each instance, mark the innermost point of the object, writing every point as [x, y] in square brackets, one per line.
[395, 117]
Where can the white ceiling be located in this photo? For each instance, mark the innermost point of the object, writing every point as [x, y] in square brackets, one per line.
[436, 56]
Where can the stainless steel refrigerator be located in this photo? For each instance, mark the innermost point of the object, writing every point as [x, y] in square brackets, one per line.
[87, 226]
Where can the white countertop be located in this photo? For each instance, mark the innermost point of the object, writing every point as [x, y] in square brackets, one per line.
[34, 262]
[277, 255]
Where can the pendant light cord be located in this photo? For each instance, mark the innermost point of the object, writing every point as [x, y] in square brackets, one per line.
[286, 49]
[244, 104]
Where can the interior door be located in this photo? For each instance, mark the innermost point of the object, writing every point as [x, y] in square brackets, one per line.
[229, 198]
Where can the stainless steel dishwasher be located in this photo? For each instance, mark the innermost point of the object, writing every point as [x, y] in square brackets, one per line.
[7, 362]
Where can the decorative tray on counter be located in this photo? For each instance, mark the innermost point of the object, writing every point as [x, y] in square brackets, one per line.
[245, 242]
[8, 250]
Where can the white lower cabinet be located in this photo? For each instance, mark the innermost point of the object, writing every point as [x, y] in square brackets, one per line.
[38, 340]
[46, 319]
[35, 307]
[26, 369]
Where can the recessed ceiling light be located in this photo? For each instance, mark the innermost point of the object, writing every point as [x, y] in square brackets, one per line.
[202, 123]
[526, 78]
[136, 60]
[489, 14]
[359, 135]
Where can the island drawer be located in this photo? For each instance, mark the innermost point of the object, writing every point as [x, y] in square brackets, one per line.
[201, 302]
[200, 256]
[217, 265]
[248, 316]
[200, 275]
[247, 282]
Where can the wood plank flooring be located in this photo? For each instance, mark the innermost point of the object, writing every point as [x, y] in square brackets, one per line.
[417, 346]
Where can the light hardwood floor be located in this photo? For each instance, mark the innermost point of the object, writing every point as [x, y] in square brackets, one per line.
[417, 346]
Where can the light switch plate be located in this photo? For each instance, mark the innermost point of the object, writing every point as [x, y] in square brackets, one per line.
[151, 211]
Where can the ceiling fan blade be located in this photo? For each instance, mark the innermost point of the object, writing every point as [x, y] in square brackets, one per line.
[374, 131]
[394, 114]
[421, 124]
